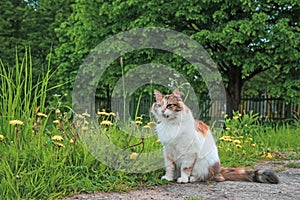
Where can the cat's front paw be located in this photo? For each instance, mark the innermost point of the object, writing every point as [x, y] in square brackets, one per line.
[166, 178]
[183, 180]
[193, 179]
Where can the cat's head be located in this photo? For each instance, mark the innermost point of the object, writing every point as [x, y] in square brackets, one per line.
[167, 107]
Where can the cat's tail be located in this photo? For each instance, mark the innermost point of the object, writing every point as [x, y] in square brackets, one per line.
[240, 174]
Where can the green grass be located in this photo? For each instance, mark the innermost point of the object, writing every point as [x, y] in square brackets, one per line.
[293, 165]
[192, 198]
[245, 141]
[284, 138]
[44, 157]
[281, 169]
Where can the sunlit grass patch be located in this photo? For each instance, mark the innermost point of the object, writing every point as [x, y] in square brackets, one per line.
[245, 141]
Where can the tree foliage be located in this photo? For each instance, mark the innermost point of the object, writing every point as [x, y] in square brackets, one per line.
[12, 30]
[32, 24]
[254, 43]
[244, 37]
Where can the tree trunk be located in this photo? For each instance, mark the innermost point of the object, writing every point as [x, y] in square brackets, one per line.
[233, 90]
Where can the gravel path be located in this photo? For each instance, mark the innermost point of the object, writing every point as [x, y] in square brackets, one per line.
[288, 188]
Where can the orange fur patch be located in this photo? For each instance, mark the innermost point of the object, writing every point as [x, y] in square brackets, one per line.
[202, 128]
[188, 170]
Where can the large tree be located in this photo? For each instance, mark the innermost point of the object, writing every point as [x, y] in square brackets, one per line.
[31, 24]
[244, 37]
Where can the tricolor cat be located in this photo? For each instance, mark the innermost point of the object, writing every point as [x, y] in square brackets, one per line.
[190, 151]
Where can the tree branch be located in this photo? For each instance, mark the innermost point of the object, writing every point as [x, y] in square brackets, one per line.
[254, 73]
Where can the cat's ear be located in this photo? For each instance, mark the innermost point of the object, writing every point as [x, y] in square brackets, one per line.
[176, 93]
[158, 95]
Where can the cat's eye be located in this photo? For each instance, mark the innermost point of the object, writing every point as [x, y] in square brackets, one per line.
[170, 105]
[158, 105]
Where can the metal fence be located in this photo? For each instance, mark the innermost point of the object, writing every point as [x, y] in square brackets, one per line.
[271, 108]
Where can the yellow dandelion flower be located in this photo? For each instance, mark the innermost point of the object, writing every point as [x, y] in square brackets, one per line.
[103, 113]
[249, 139]
[225, 137]
[228, 140]
[139, 118]
[79, 116]
[253, 145]
[138, 122]
[150, 123]
[41, 115]
[1, 137]
[157, 141]
[239, 114]
[147, 126]
[59, 144]
[241, 137]
[16, 122]
[133, 156]
[71, 141]
[238, 146]
[227, 128]
[237, 141]
[235, 117]
[56, 121]
[112, 114]
[57, 137]
[57, 111]
[228, 149]
[106, 122]
[86, 114]
[269, 156]
[246, 125]
[220, 147]
[85, 128]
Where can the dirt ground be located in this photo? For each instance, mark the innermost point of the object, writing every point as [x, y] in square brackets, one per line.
[288, 188]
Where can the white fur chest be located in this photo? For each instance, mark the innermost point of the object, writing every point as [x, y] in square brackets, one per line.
[167, 132]
[176, 134]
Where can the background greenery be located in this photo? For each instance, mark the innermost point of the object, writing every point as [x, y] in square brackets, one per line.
[43, 44]
[254, 43]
